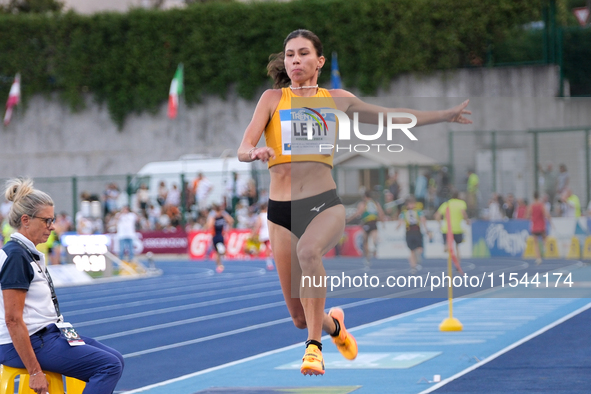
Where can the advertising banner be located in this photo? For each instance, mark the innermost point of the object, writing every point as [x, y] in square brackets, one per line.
[392, 241]
[163, 242]
[502, 238]
[237, 245]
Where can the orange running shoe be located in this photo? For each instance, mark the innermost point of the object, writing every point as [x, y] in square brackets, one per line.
[345, 342]
[313, 362]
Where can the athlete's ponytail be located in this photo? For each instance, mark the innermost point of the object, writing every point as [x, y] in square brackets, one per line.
[276, 70]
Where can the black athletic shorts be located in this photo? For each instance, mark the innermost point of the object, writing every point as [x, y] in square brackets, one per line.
[457, 237]
[414, 240]
[216, 240]
[370, 226]
[302, 211]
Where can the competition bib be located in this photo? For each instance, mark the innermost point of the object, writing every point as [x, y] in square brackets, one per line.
[298, 123]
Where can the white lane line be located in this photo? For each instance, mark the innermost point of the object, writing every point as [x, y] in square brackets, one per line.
[241, 361]
[157, 291]
[159, 300]
[189, 321]
[175, 280]
[178, 308]
[207, 338]
[508, 348]
[236, 331]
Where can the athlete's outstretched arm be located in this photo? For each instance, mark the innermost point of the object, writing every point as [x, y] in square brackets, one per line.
[368, 113]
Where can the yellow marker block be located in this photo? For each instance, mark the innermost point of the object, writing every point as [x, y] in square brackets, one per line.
[587, 249]
[530, 248]
[574, 252]
[551, 248]
[451, 324]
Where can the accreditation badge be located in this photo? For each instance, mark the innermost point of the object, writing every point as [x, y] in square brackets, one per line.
[69, 333]
[305, 130]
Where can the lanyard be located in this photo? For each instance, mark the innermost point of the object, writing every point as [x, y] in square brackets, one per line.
[45, 274]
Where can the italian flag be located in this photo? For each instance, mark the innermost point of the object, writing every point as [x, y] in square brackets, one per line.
[14, 97]
[176, 89]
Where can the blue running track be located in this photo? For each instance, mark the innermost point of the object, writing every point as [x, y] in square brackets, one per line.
[194, 331]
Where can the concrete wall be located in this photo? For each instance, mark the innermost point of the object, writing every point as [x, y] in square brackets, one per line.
[46, 139]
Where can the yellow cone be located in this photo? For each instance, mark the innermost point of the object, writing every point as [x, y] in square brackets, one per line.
[574, 252]
[587, 249]
[551, 251]
[530, 248]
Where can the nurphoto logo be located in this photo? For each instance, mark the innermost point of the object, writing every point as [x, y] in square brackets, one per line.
[318, 120]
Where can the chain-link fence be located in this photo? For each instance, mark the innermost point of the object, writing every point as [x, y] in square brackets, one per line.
[115, 191]
[521, 162]
[563, 157]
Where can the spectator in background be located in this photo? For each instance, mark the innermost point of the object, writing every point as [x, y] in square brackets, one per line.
[174, 197]
[494, 208]
[432, 193]
[549, 180]
[174, 217]
[6, 229]
[111, 223]
[242, 216]
[63, 224]
[546, 201]
[154, 212]
[562, 181]
[235, 190]
[189, 195]
[393, 185]
[143, 197]
[263, 197]
[390, 206]
[509, 206]
[588, 213]
[251, 191]
[204, 188]
[443, 186]
[538, 215]
[421, 188]
[521, 211]
[472, 189]
[5, 208]
[84, 225]
[110, 197]
[571, 204]
[126, 222]
[162, 194]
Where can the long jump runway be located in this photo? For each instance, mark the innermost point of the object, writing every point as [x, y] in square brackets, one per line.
[193, 331]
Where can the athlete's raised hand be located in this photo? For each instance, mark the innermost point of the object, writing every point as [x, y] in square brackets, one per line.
[456, 114]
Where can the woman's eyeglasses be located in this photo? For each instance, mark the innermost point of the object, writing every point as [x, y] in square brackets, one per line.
[48, 221]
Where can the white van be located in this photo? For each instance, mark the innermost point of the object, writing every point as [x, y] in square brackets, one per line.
[217, 170]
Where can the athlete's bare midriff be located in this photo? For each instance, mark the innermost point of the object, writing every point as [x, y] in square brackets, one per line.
[294, 181]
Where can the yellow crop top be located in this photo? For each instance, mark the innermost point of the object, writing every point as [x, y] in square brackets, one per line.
[287, 131]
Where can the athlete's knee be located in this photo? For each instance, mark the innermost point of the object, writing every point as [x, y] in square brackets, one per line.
[308, 253]
[300, 322]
